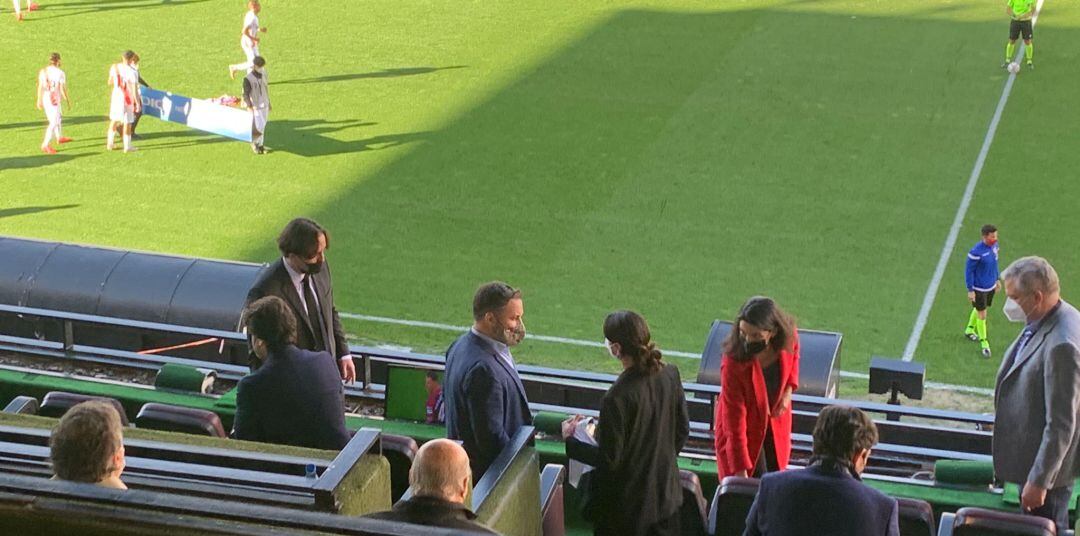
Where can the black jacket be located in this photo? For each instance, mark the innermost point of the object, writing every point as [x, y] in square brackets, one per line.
[295, 398]
[643, 426]
[274, 281]
[821, 499]
[483, 399]
[433, 512]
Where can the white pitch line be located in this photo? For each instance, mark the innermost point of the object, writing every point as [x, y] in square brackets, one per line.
[961, 211]
[594, 344]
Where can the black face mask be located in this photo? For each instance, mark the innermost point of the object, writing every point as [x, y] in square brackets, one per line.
[313, 267]
[754, 347]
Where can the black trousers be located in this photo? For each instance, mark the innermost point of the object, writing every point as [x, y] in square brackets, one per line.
[626, 527]
[766, 461]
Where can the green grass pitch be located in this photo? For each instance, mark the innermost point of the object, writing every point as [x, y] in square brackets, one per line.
[674, 157]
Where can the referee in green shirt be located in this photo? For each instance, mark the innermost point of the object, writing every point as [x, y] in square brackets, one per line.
[1021, 12]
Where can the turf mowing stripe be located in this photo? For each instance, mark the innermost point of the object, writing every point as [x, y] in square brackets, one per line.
[961, 211]
[582, 342]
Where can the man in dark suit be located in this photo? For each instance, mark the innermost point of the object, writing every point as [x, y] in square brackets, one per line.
[1037, 395]
[295, 398]
[827, 497]
[301, 277]
[439, 478]
[484, 400]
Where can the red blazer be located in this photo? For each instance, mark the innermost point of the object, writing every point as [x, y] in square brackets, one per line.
[742, 410]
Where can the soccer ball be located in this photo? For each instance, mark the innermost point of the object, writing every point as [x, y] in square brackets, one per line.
[1014, 67]
[32, 6]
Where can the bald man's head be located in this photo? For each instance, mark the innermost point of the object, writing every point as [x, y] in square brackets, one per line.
[441, 469]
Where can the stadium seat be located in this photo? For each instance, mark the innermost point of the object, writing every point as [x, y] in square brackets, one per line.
[399, 451]
[982, 522]
[916, 517]
[695, 511]
[179, 419]
[731, 504]
[56, 404]
[25, 405]
[552, 510]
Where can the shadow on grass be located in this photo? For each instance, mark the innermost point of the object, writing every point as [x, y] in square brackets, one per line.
[38, 161]
[83, 8]
[68, 121]
[20, 211]
[385, 73]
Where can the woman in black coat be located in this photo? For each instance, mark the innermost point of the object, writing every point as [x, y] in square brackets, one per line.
[643, 425]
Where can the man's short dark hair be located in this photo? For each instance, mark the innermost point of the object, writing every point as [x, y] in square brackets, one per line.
[258, 61]
[54, 58]
[433, 375]
[301, 237]
[270, 319]
[84, 442]
[843, 431]
[128, 54]
[492, 297]
[989, 228]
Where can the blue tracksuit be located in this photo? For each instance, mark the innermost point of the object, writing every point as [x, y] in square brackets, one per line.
[982, 267]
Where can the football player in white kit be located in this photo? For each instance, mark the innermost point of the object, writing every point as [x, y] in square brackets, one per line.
[51, 89]
[249, 38]
[126, 100]
[30, 6]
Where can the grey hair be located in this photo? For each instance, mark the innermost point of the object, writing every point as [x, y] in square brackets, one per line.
[1031, 274]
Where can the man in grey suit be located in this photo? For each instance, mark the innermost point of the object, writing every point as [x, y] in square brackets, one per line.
[1037, 395]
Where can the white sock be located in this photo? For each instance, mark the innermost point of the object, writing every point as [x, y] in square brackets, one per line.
[127, 142]
[17, 9]
[111, 137]
[48, 135]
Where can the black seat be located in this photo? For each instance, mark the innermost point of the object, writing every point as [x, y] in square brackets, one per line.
[399, 451]
[24, 405]
[179, 419]
[916, 518]
[56, 404]
[693, 515]
[982, 522]
[731, 504]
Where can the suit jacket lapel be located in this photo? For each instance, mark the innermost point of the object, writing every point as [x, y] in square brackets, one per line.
[289, 291]
[1033, 345]
[502, 363]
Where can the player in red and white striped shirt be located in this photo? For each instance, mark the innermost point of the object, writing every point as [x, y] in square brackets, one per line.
[126, 100]
[51, 89]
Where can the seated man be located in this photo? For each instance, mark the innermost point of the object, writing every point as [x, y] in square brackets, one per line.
[295, 397]
[440, 478]
[827, 497]
[433, 409]
[88, 445]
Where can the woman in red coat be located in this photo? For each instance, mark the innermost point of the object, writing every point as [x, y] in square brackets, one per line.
[758, 372]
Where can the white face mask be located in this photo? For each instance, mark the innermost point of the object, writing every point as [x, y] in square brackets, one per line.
[1014, 312]
[610, 350]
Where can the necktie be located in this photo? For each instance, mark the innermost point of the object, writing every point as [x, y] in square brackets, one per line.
[1025, 337]
[313, 313]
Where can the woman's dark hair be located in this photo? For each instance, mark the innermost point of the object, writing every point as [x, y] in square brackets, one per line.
[301, 237]
[270, 319]
[491, 297]
[841, 432]
[764, 314]
[630, 330]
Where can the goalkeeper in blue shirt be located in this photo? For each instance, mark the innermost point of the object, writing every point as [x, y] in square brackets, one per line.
[981, 275]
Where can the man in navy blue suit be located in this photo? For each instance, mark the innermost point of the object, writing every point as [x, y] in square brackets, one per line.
[484, 400]
[827, 497]
[295, 397]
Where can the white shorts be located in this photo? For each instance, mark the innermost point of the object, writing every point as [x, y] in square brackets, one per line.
[118, 111]
[52, 113]
[260, 116]
[250, 50]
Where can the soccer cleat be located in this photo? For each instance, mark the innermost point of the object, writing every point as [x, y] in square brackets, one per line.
[971, 336]
[19, 17]
[48, 150]
[131, 149]
[1031, 66]
[64, 139]
[1005, 65]
[986, 353]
